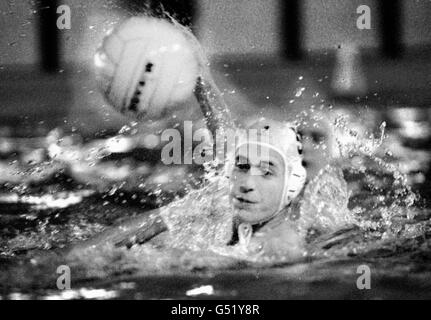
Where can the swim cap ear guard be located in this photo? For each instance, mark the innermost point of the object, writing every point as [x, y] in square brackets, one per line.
[290, 149]
[283, 139]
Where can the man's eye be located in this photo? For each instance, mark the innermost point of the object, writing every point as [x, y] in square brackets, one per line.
[317, 137]
[267, 173]
[243, 166]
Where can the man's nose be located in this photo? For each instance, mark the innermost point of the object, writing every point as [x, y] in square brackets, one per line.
[247, 184]
[245, 189]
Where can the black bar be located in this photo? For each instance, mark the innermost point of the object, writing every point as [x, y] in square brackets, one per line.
[390, 28]
[291, 29]
[49, 41]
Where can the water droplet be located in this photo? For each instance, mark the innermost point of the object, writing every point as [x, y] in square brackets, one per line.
[299, 92]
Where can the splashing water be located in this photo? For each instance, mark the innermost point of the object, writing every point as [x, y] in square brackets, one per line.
[201, 222]
[360, 204]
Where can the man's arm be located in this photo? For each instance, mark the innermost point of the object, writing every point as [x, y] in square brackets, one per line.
[217, 116]
[216, 113]
[144, 234]
[214, 109]
[133, 231]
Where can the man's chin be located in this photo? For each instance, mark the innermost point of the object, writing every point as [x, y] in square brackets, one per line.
[247, 216]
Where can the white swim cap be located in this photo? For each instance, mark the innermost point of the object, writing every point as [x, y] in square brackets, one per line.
[283, 139]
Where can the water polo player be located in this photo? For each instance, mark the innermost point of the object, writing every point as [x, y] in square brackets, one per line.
[252, 209]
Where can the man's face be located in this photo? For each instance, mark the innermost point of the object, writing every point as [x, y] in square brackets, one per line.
[257, 184]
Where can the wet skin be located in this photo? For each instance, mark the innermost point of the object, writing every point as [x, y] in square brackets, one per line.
[256, 184]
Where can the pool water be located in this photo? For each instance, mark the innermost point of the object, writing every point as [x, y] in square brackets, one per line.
[47, 206]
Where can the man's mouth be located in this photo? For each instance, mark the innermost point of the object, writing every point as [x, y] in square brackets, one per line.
[242, 200]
